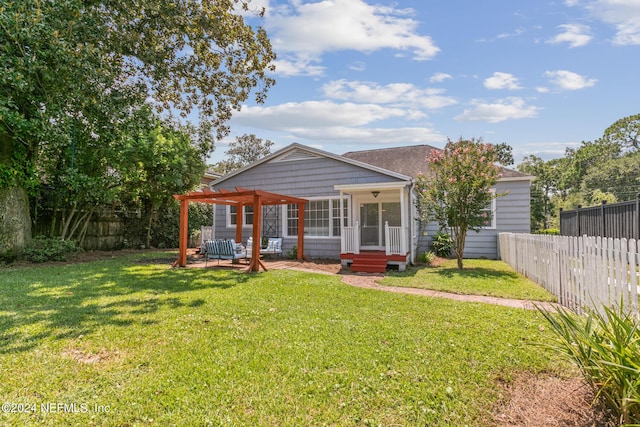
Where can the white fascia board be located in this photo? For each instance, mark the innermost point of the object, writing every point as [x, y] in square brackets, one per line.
[372, 186]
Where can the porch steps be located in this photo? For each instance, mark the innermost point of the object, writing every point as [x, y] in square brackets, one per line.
[369, 262]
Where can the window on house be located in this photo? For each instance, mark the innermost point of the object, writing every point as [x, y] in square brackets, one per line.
[490, 214]
[232, 215]
[321, 218]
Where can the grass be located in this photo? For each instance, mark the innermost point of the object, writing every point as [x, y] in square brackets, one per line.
[479, 277]
[129, 341]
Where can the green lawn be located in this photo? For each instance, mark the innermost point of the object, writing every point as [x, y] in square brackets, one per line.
[479, 277]
[129, 341]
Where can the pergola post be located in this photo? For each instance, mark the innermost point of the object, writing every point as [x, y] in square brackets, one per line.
[184, 232]
[301, 232]
[256, 263]
[239, 222]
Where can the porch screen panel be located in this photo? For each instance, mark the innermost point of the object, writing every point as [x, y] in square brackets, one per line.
[391, 214]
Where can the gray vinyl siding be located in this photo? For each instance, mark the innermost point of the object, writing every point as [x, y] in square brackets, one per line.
[512, 215]
[299, 178]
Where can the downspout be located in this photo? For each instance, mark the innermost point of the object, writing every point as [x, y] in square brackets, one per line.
[412, 223]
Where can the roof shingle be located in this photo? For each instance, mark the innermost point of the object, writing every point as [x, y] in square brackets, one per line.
[408, 160]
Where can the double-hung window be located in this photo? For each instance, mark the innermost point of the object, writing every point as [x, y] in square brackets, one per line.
[321, 218]
[232, 216]
[490, 213]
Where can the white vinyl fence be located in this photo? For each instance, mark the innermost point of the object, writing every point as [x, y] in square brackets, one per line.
[580, 271]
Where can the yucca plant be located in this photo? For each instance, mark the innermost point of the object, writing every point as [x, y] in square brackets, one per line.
[605, 345]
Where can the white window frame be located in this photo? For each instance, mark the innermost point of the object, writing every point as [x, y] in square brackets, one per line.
[244, 218]
[492, 209]
[332, 200]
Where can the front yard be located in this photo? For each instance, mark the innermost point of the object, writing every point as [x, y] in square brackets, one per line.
[479, 277]
[130, 341]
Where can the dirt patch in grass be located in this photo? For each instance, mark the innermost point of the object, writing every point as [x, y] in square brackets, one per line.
[89, 357]
[547, 400]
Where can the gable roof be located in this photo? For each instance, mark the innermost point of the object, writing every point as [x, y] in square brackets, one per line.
[297, 151]
[410, 160]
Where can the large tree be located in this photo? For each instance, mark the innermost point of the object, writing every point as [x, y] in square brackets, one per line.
[543, 188]
[457, 188]
[245, 150]
[160, 163]
[625, 132]
[69, 69]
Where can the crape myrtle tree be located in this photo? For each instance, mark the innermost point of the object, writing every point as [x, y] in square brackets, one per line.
[457, 188]
[72, 72]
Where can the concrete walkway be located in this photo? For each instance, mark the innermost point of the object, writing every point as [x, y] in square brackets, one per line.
[371, 282]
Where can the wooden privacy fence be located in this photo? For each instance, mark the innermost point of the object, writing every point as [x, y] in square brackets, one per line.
[607, 220]
[579, 271]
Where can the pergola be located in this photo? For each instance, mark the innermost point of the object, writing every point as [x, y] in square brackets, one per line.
[239, 198]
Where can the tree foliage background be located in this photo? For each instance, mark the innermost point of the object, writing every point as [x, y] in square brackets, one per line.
[245, 150]
[607, 168]
[83, 85]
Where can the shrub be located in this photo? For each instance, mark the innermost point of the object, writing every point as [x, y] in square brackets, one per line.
[442, 244]
[293, 253]
[42, 249]
[550, 231]
[427, 257]
[8, 257]
[606, 348]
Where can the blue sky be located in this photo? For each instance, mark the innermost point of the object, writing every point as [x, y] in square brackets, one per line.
[363, 74]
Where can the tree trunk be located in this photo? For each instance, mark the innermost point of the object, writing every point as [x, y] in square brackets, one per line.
[149, 225]
[15, 220]
[460, 238]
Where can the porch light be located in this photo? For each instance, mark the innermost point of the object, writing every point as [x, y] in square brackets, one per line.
[375, 193]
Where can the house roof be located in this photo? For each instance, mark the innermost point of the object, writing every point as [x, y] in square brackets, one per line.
[403, 163]
[299, 150]
[409, 160]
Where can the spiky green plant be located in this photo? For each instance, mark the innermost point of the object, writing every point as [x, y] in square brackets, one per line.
[605, 345]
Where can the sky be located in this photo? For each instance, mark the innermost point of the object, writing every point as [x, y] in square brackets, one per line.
[538, 75]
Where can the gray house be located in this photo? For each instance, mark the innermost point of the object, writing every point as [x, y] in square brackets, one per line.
[361, 205]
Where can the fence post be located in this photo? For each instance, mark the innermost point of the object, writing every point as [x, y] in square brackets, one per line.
[603, 223]
[578, 220]
[636, 215]
[560, 216]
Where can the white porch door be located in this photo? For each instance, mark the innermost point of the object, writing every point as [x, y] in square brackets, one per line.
[372, 219]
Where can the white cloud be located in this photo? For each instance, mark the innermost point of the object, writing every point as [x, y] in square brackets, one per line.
[312, 29]
[330, 121]
[546, 150]
[398, 94]
[297, 66]
[505, 109]
[314, 114]
[575, 35]
[517, 32]
[440, 77]
[624, 15]
[358, 66]
[365, 135]
[567, 80]
[502, 81]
